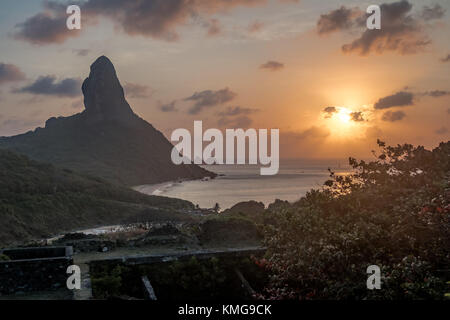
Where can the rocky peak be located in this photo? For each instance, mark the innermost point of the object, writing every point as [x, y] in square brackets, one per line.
[104, 98]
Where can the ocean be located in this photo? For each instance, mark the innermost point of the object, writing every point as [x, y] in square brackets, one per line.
[237, 183]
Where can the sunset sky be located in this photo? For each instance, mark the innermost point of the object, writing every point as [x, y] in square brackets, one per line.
[310, 68]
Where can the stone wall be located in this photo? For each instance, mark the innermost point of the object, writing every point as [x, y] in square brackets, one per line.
[34, 269]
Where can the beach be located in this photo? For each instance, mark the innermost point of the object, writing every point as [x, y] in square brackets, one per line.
[237, 183]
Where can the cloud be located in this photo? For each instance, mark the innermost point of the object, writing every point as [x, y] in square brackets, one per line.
[81, 52]
[393, 116]
[45, 27]
[329, 111]
[237, 122]
[235, 111]
[10, 73]
[431, 13]
[236, 117]
[436, 93]
[401, 31]
[399, 99]
[157, 19]
[339, 19]
[272, 65]
[446, 59]
[209, 98]
[442, 130]
[134, 90]
[168, 107]
[47, 85]
[357, 116]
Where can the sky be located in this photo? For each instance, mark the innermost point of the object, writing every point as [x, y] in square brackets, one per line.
[309, 68]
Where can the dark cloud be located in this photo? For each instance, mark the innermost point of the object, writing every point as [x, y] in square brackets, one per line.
[168, 107]
[81, 52]
[158, 18]
[272, 65]
[437, 93]
[401, 30]
[47, 85]
[46, 27]
[209, 98]
[446, 59]
[236, 117]
[431, 13]
[151, 18]
[329, 111]
[357, 116]
[235, 111]
[134, 90]
[399, 99]
[442, 130]
[339, 19]
[392, 116]
[10, 73]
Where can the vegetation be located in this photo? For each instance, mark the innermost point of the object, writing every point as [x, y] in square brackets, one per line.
[393, 212]
[229, 230]
[38, 200]
[4, 257]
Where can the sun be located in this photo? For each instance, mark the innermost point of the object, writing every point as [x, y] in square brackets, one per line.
[341, 123]
[344, 115]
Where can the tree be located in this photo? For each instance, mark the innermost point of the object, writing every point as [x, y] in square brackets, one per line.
[393, 212]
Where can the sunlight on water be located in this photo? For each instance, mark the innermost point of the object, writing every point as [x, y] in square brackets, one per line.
[238, 183]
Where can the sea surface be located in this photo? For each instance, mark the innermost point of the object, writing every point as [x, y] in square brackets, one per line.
[238, 183]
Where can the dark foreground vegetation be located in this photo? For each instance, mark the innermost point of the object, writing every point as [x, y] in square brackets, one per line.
[393, 212]
[38, 200]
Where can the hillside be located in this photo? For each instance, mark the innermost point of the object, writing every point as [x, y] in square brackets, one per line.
[38, 200]
[107, 139]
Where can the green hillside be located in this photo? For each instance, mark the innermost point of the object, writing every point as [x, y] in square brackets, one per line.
[38, 200]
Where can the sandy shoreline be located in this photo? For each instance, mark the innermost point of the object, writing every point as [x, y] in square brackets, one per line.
[155, 189]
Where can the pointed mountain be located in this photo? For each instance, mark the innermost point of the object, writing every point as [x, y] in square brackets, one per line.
[107, 139]
[104, 98]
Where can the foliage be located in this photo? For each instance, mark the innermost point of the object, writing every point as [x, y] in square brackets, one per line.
[109, 284]
[392, 212]
[4, 257]
[38, 200]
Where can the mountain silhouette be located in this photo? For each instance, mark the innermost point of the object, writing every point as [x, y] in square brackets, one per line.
[107, 139]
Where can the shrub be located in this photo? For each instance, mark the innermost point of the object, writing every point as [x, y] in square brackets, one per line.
[392, 212]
